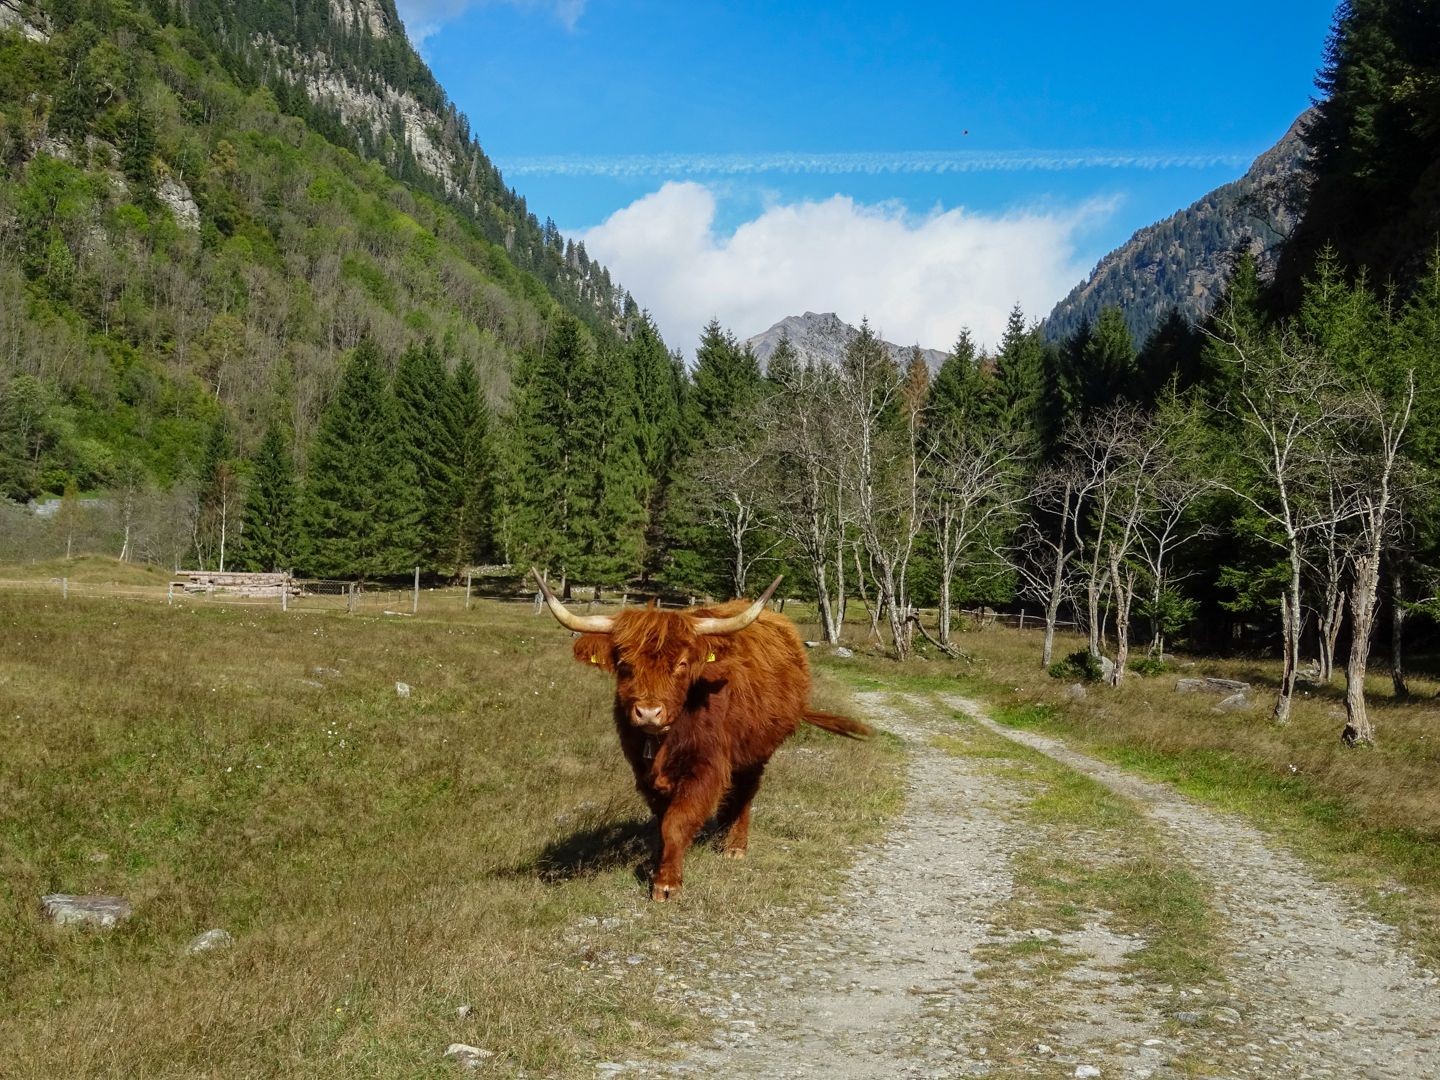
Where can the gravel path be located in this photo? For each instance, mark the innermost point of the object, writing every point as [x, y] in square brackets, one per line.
[1322, 978]
[893, 983]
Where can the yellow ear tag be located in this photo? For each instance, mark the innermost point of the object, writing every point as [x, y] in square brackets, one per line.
[594, 659]
[709, 658]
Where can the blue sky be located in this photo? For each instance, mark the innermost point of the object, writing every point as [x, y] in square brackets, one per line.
[925, 165]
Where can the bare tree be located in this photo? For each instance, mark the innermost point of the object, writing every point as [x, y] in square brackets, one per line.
[1291, 412]
[803, 486]
[728, 485]
[884, 461]
[972, 489]
[1376, 520]
[1046, 545]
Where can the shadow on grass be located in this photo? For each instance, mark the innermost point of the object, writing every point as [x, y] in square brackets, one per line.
[597, 849]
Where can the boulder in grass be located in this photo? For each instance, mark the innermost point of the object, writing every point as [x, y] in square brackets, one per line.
[1075, 692]
[1234, 703]
[843, 653]
[101, 912]
[402, 689]
[1209, 684]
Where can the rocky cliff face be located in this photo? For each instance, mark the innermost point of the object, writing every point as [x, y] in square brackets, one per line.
[1185, 260]
[823, 338]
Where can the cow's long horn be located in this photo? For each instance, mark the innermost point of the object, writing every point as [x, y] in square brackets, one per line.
[581, 624]
[737, 622]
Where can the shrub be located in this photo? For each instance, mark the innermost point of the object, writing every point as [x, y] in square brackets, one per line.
[1079, 666]
[1149, 665]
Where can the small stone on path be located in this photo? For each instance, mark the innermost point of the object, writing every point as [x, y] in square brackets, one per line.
[1086, 1072]
[102, 911]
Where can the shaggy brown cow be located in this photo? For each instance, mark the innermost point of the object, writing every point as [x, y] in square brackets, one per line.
[703, 697]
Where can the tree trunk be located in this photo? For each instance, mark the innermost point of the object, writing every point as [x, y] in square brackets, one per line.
[1363, 593]
[1123, 590]
[1397, 631]
[822, 594]
[944, 613]
[1290, 621]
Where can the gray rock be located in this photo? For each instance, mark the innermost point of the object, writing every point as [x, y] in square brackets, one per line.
[1086, 1072]
[1189, 1018]
[467, 1057]
[1209, 684]
[402, 689]
[844, 653]
[1234, 703]
[325, 672]
[812, 644]
[1107, 668]
[210, 940]
[1225, 1016]
[464, 1011]
[99, 911]
[1075, 692]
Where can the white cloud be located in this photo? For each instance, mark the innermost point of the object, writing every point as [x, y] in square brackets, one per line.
[626, 166]
[424, 18]
[919, 279]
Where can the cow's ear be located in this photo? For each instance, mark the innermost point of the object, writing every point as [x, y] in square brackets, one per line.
[712, 653]
[595, 649]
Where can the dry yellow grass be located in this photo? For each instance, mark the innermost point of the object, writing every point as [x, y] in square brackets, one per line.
[379, 860]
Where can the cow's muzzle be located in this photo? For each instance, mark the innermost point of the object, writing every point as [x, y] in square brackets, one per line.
[650, 718]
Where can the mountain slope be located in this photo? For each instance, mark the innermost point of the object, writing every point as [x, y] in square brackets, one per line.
[204, 204]
[1184, 261]
[823, 339]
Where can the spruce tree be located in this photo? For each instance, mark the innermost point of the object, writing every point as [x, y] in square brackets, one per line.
[361, 511]
[468, 504]
[431, 437]
[961, 391]
[1107, 363]
[1019, 373]
[267, 540]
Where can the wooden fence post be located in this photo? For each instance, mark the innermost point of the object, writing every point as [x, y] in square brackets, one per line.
[350, 598]
[468, 576]
[415, 600]
[64, 588]
[170, 594]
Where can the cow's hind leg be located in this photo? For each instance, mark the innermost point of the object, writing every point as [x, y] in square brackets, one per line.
[694, 801]
[734, 819]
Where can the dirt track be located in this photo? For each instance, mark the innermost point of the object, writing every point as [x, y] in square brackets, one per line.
[896, 982]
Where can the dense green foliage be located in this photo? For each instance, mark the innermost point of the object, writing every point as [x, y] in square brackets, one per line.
[1374, 168]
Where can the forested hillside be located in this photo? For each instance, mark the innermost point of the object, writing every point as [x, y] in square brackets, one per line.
[205, 207]
[1182, 263]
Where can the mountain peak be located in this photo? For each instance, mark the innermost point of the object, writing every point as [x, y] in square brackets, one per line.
[822, 337]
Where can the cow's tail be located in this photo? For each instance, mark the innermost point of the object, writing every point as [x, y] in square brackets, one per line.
[839, 725]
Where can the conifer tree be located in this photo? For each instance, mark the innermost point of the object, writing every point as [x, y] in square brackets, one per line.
[1107, 362]
[467, 506]
[431, 436]
[784, 364]
[960, 391]
[361, 510]
[1020, 373]
[267, 539]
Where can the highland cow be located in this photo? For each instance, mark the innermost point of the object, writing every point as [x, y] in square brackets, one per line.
[703, 698]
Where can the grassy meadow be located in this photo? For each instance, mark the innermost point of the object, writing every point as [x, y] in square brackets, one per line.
[380, 860]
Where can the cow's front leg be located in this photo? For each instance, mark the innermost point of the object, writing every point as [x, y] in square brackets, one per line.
[695, 799]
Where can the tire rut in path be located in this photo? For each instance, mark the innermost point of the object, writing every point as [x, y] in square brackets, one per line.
[1328, 986]
[885, 985]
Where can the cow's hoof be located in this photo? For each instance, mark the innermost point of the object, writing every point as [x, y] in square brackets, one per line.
[661, 893]
[734, 853]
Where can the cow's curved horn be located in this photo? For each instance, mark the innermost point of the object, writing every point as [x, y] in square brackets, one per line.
[581, 624]
[737, 622]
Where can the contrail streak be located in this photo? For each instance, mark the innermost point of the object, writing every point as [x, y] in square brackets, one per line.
[873, 164]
